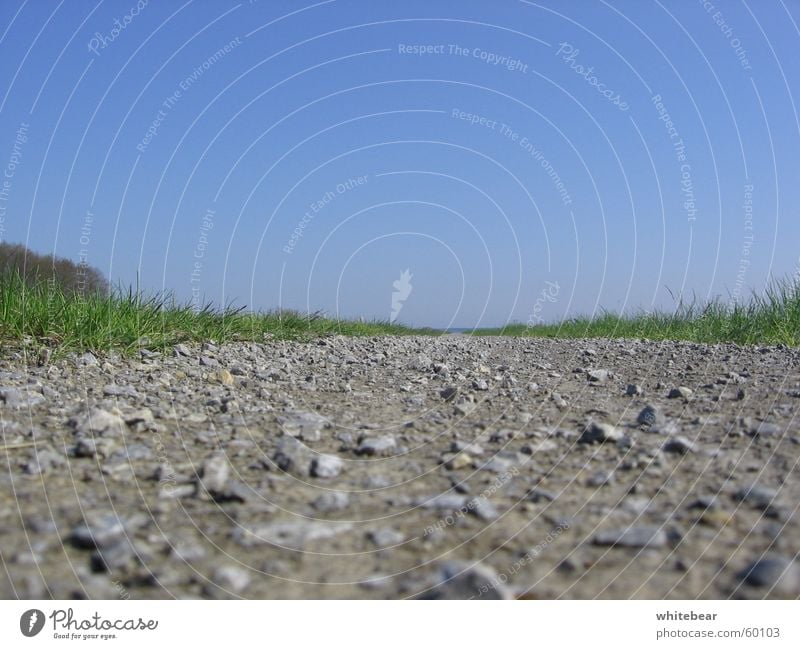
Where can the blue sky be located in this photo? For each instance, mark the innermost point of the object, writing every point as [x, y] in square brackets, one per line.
[514, 156]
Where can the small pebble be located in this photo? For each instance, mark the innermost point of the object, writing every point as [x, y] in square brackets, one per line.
[98, 531]
[331, 501]
[384, 445]
[780, 575]
[214, 473]
[681, 392]
[756, 428]
[326, 466]
[462, 580]
[228, 579]
[598, 376]
[306, 426]
[633, 537]
[449, 393]
[679, 445]
[599, 432]
[385, 537]
[600, 479]
[648, 416]
[757, 496]
[456, 461]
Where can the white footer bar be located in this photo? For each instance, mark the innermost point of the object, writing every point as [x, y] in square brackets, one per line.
[135, 623]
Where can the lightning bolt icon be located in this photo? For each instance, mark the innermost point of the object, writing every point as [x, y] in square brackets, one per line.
[32, 621]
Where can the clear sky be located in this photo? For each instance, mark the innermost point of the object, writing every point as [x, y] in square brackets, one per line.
[523, 161]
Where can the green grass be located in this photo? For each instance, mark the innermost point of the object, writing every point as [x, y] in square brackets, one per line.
[769, 318]
[43, 314]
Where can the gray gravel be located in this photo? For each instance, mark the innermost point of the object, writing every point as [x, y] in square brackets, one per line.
[403, 467]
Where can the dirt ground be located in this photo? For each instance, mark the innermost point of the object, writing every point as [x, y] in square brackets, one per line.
[396, 467]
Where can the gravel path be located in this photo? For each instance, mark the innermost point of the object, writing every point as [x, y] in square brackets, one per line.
[403, 467]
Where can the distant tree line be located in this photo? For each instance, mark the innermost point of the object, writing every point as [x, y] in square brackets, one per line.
[33, 267]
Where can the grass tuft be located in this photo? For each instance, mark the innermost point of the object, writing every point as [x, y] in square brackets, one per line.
[769, 318]
[44, 314]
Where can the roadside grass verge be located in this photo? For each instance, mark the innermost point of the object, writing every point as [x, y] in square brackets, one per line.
[769, 318]
[44, 314]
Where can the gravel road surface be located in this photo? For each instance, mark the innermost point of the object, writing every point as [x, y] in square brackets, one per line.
[393, 467]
